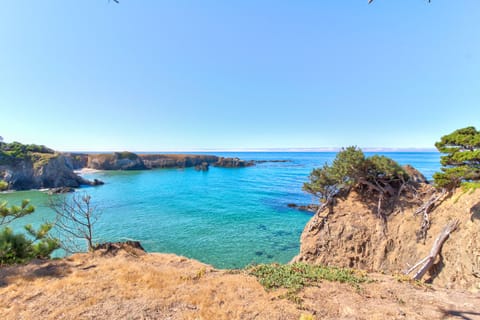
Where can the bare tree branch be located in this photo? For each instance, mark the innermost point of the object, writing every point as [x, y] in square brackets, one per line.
[75, 218]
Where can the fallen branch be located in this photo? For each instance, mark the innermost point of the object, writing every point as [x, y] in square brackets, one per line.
[425, 209]
[428, 261]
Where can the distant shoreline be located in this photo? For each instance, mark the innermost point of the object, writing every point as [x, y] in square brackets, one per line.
[273, 150]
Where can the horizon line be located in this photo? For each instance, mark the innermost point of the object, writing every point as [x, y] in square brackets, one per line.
[318, 149]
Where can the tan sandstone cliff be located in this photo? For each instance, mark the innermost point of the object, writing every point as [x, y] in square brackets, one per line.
[353, 236]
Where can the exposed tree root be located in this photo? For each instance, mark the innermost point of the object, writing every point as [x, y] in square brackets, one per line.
[425, 209]
[427, 262]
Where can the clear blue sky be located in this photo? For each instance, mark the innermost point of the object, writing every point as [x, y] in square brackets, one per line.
[160, 75]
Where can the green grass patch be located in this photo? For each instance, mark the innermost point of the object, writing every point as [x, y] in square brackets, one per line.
[295, 277]
[467, 187]
[298, 275]
[126, 155]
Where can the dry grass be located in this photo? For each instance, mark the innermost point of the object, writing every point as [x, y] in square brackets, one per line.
[163, 286]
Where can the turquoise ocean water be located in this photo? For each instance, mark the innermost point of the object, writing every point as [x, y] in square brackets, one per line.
[224, 217]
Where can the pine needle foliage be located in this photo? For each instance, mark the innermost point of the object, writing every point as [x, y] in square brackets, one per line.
[351, 169]
[460, 160]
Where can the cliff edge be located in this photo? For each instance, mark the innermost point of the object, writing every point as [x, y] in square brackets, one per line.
[126, 283]
[352, 236]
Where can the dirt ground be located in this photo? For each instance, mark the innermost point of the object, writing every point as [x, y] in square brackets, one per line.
[164, 286]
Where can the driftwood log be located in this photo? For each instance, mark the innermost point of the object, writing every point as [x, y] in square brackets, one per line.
[427, 262]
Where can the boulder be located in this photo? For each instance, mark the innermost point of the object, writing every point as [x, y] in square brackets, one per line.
[202, 167]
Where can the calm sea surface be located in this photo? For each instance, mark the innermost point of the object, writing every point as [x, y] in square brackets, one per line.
[225, 217]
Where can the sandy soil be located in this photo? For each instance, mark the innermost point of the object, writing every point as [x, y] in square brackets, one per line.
[164, 286]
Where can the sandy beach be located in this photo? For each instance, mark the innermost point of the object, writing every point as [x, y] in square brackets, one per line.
[86, 171]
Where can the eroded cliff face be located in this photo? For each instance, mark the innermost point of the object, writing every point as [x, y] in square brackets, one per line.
[153, 161]
[115, 161]
[353, 236]
[47, 171]
[132, 161]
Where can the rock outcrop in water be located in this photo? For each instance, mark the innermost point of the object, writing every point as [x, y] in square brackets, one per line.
[116, 161]
[233, 163]
[25, 167]
[132, 161]
[38, 172]
[153, 161]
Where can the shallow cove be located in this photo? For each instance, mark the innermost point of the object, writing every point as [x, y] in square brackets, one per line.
[225, 217]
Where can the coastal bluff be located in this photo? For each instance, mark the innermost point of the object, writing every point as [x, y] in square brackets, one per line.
[40, 171]
[120, 281]
[351, 235]
[24, 167]
[132, 161]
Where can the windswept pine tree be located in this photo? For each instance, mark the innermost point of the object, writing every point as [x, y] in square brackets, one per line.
[379, 179]
[461, 159]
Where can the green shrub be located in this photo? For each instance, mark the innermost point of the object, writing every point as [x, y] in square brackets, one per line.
[461, 159]
[20, 248]
[126, 155]
[3, 185]
[11, 153]
[376, 175]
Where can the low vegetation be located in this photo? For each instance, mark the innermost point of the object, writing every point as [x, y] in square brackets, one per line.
[23, 247]
[299, 275]
[295, 277]
[10, 153]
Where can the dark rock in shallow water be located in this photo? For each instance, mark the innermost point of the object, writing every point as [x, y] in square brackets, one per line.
[264, 161]
[233, 163]
[61, 190]
[309, 207]
[97, 182]
[202, 167]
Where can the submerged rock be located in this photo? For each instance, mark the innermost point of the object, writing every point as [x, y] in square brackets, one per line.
[309, 207]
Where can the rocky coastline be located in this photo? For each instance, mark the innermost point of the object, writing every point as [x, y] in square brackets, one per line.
[59, 171]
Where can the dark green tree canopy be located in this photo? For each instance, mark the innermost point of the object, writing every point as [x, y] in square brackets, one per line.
[461, 159]
[377, 177]
[22, 247]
